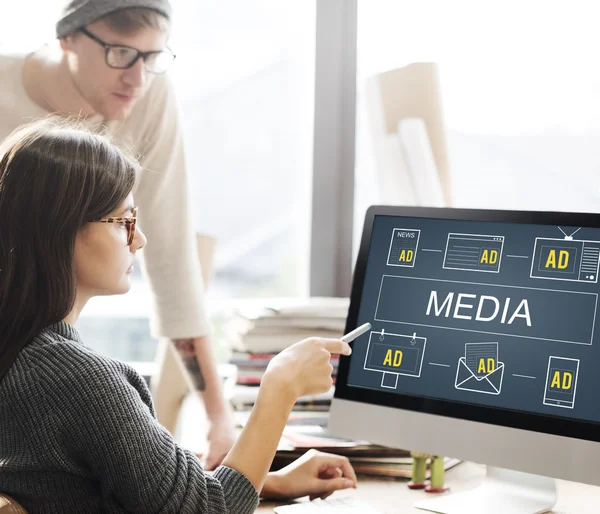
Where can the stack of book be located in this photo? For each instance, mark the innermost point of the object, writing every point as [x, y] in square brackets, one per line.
[271, 327]
[258, 332]
[244, 398]
[306, 430]
[251, 367]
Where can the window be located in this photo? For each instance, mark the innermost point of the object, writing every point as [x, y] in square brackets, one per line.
[520, 94]
[245, 78]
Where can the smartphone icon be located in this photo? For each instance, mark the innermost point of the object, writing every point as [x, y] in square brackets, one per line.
[561, 382]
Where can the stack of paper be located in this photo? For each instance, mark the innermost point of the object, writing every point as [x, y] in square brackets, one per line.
[272, 327]
[260, 330]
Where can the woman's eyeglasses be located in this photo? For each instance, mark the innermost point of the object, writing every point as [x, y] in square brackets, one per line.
[124, 57]
[129, 222]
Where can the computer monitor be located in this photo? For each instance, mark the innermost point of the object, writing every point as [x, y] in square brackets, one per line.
[484, 346]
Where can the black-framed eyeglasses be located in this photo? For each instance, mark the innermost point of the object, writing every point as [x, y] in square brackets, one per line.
[124, 57]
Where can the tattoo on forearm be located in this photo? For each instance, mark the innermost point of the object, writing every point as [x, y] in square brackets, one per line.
[187, 350]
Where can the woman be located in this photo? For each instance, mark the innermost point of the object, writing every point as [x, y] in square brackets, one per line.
[77, 429]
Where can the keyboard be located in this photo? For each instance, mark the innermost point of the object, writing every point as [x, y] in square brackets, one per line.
[346, 505]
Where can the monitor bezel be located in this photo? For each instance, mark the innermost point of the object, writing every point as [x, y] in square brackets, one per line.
[553, 425]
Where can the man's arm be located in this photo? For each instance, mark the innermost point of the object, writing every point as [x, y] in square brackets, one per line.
[187, 351]
[171, 260]
[199, 361]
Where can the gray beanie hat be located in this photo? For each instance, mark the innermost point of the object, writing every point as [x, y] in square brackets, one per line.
[79, 13]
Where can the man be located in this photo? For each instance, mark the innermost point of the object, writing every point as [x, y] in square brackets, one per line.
[108, 67]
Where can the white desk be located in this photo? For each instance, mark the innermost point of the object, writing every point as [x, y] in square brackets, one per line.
[392, 497]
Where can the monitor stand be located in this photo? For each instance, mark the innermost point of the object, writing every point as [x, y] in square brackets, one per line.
[501, 492]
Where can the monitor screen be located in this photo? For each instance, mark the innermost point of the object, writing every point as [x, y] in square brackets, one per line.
[481, 315]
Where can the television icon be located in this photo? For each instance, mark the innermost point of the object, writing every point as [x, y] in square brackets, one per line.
[565, 259]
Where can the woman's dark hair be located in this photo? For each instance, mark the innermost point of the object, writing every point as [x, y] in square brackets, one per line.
[54, 178]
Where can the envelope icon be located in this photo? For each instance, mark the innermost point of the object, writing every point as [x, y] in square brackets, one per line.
[466, 380]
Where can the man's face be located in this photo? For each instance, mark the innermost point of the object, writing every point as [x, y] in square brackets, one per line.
[111, 92]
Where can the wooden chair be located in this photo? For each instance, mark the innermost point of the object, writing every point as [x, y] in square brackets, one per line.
[10, 506]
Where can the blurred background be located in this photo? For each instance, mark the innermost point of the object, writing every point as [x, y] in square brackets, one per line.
[517, 89]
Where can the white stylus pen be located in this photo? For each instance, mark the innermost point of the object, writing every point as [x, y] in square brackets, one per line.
[358, 331]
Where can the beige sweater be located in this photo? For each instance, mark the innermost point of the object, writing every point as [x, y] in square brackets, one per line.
[153, 133]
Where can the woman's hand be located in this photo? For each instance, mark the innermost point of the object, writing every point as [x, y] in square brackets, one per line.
[315, 474]
[305, 367]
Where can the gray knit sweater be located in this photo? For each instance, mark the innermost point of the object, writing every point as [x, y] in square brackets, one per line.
[78, 434]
